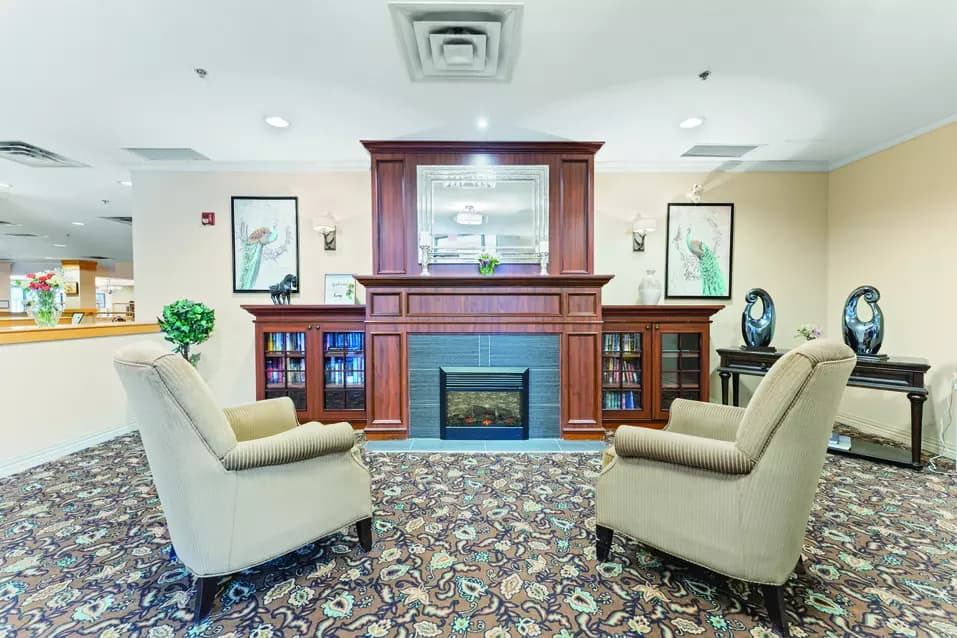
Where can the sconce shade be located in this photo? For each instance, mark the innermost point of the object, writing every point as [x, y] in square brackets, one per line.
[645, 225]
[323, 224]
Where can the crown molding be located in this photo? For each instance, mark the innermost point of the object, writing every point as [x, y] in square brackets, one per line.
[197, 166]
[874, 150]
[713, 166]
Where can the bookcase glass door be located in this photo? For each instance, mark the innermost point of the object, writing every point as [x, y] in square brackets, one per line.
[680, 372]
[285, 367]
[344, 371]
[621, 375]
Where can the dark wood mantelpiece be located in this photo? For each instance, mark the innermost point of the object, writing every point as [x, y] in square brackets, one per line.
[566, 305]
[571, 177]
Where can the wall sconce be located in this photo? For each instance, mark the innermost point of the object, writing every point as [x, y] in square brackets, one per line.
[327, 226]
[641, 227]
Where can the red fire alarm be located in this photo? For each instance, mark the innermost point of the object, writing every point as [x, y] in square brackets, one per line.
[209, 219]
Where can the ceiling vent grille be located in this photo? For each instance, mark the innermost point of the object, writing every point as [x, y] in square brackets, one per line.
[119, 220]
[34, 156]
[717, 150]
[167, 154]
[8, 224]
[458, 41]
[97, 257]
[21, 234]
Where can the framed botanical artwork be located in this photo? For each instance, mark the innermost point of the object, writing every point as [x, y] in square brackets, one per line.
[698, 254]
[71, 288]
[265, 241]
[340, 289]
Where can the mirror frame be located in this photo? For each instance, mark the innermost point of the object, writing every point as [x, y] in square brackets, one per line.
[428, 174]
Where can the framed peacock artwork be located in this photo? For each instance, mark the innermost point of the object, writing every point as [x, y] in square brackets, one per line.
[698, 254]
[265, 241]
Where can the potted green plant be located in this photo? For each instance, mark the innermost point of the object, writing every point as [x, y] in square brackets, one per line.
[487, 263]
[186, 323]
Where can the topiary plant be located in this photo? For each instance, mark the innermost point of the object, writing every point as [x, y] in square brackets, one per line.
[186, 323]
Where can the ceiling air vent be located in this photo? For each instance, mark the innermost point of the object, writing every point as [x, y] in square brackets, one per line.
[21, 234]
[34, 156]
[167, 154]
[717, 150]
[119, 220]
[97, 257]
[7, 224]
[458, 41]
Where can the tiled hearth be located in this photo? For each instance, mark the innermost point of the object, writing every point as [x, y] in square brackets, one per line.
[537, 352]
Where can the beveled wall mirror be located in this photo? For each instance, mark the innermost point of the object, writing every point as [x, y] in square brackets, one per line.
[464, 211]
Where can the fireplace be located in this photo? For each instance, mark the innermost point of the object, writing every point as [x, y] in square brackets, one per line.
[483, 403]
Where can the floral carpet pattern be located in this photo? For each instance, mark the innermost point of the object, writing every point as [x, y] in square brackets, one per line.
[490, 545]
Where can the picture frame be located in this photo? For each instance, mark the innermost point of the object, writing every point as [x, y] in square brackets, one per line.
[265, 241]
[699, 251]
[71, 288]
[340, 290]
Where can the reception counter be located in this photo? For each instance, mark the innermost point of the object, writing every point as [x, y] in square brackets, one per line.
[33, 334]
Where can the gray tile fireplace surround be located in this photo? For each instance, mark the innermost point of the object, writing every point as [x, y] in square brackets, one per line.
[539, 353]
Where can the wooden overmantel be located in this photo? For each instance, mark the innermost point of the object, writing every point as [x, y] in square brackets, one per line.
[565, 305]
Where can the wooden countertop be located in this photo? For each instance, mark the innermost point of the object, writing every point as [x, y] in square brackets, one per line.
[33, 334]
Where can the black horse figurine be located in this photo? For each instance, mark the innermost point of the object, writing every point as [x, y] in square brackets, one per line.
[758, 332]
[864, 337]
[280, 292]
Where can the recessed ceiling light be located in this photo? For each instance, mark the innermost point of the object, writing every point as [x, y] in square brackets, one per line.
[59, 245]
[277, 121]
[125, 182]
[692, 122]
[481, 122]
[79, 224]
[5, 185]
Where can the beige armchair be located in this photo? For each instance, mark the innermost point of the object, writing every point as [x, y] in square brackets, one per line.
[242, 486]
[730, 489]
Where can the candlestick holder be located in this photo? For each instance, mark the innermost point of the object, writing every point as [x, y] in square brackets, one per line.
[543, 261]
[426, 258]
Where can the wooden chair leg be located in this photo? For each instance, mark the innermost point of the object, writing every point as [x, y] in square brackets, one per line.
[603, 541]
[800, 568]
[364, 531]
[205, 593]
[777, 608]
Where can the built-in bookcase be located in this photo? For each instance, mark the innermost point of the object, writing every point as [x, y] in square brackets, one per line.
[285, 367]
[344, 367]
[622, 377]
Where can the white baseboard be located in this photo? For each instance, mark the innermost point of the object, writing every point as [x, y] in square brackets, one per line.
[58, 451]
[930, 442]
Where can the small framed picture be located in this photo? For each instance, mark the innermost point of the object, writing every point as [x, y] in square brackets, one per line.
[698, 256]
[71, 288]
[265, 241]
[340, 289]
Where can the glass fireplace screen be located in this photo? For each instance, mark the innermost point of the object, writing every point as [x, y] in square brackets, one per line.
[483, 403]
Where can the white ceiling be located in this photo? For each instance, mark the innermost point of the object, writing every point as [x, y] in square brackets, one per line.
[813, 83]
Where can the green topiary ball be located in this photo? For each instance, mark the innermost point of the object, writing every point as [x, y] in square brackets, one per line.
[186, 323]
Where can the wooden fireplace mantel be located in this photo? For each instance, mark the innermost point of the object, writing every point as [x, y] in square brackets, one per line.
[565, 305]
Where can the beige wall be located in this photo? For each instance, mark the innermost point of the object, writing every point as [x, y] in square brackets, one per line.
[779, 223]
[177, 257]
[56, 395]
[5, 269]
[195, 261]
[892, 224]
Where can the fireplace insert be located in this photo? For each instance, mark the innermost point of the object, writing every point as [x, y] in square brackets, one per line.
[483, 403]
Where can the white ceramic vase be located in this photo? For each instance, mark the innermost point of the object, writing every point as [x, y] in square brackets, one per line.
[649, 289]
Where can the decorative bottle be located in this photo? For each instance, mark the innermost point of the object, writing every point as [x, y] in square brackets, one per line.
[649, 289]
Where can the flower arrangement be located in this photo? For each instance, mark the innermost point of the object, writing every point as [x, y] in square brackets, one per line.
[186, 323]
[809, 331]
[43, 297]
[487, 263]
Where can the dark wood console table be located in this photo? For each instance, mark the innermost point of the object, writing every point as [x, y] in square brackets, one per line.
[896, 374]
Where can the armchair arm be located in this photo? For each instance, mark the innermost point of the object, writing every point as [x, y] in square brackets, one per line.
[710, 420]
[262, 418]
[681, 449]
[298, 444]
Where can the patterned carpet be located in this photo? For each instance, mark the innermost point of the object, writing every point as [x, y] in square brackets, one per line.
[469, 546]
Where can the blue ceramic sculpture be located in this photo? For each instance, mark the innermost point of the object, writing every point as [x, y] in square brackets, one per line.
[758, 332]
[863, 337]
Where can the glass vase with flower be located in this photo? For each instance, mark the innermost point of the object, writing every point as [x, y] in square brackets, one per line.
[44, 299]
[487, 263]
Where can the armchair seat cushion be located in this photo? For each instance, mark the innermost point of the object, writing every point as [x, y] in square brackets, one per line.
[297, 444]
[682, 449]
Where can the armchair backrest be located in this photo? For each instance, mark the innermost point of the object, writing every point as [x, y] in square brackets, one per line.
[185, 434]
[805, 384]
